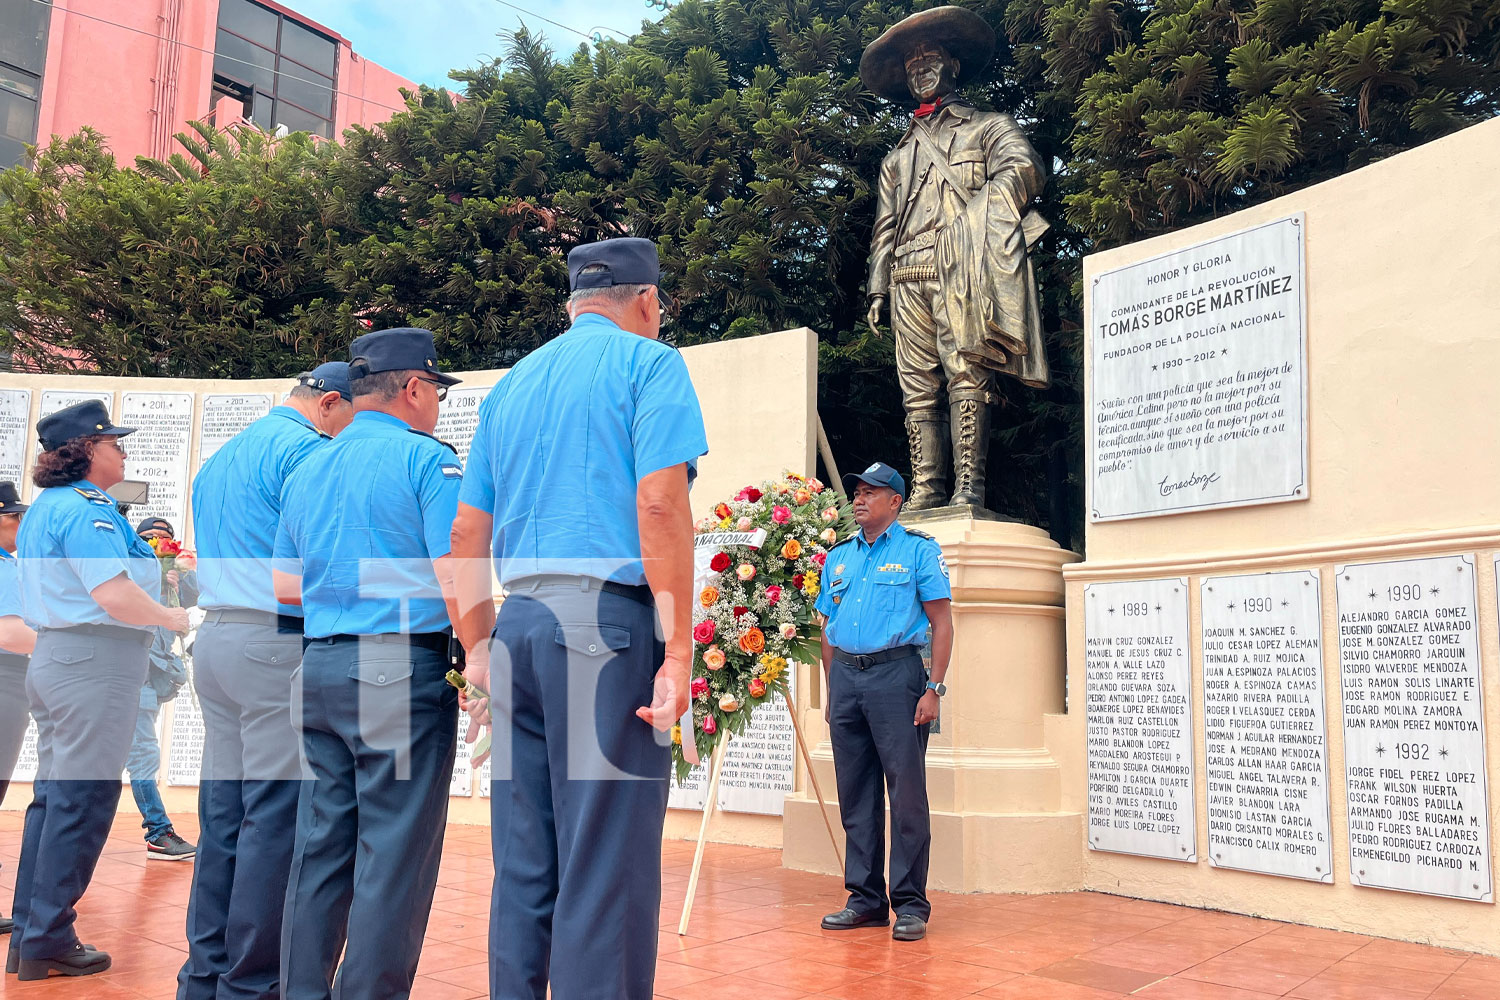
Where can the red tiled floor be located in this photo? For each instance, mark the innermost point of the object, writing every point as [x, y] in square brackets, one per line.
[754, 935]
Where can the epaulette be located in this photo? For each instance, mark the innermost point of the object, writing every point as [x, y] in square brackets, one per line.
[844, 541]
[445, 444]
[919, 534]
[93, 496]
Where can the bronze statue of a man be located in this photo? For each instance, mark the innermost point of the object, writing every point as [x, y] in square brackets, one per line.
[949, 250]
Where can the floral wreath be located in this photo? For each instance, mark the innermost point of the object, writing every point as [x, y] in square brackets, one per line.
[754, 615]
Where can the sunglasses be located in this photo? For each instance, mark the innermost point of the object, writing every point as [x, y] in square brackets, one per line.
[114, 443]
[440, 388]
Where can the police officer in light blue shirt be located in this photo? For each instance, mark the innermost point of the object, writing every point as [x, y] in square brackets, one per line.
[16, 642]
[243, 659]
[578, 483]
[92, 586]
[367, 520]
[880, 589]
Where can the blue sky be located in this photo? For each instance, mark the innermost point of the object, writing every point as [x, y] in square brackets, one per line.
[423, 39]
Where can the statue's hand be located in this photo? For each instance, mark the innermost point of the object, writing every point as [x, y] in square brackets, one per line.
[877, 303]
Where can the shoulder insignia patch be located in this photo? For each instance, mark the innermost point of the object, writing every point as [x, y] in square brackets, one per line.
[104, 526]
[452, 472]
[445, 444]
[919, 534]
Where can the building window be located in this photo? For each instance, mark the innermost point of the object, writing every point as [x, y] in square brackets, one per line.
[282, 70]
[23, 57]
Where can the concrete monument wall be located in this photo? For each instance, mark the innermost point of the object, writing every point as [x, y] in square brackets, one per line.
[1288, 708]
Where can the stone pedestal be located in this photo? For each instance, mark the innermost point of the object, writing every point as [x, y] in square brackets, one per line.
[994, 789]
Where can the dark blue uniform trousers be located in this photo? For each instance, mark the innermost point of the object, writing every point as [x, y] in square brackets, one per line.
[379, 730]
[14, 714]
[577, 810]
[875, 747]
[84, 690]
[247, 810]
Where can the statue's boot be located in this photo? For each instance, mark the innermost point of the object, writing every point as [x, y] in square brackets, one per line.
[928, 433]
[971, 448]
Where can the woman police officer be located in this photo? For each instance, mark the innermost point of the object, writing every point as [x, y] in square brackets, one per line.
[91, 586]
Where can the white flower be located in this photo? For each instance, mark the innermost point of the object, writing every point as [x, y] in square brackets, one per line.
[744, 524]
[788, 630]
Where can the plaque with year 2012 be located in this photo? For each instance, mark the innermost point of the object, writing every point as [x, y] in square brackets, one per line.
[1140, 720]
[1414, 727]
[1265, 734]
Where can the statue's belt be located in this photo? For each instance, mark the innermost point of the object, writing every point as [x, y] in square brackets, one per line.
[914, 272]
[921, 241]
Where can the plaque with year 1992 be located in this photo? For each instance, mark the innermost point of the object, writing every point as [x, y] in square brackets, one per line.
[1414, 755]
[1139, 719]
[1264, 728]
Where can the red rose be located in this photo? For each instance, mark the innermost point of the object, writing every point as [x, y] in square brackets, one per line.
[699, 686]
[719, 563]
[740, 609]
[757, 688]
[773, 594]
[797, 580]
[704, 631]
[820, 558]
[752, 494]
[709, 725]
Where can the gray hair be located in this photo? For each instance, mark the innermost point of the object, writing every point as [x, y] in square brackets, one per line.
[382, 385]
[304, 392]
[611, 296]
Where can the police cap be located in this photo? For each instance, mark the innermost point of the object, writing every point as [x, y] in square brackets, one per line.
[625, 260]
[403, 349]
[86, 419]
[155, 524]
[878, 474]
[331, 376]
[10, 500]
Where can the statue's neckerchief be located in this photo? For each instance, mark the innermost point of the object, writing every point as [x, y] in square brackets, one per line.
[923, 110]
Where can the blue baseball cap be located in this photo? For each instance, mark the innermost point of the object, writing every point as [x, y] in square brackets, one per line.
[878, 474]
[86, 419]
[626, 260]
[331, 376]
[402, 349]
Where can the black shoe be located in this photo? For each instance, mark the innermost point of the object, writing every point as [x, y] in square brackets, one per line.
[909, 927]
[13, 956]
[847, 919]
[6, 925]
[170, 847]
[78, 962]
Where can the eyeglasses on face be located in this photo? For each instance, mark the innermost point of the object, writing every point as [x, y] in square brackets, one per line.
[114, 443]
[438, 387]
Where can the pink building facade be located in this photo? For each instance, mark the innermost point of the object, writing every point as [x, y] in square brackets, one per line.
[139, 70]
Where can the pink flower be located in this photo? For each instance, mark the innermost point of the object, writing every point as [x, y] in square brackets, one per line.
[829, 536]
[749, 493]
[820, 558]
[704, 631]
[744, 524]
[831, 514]
[788, 630]
[699, 687]
[713, 658]
[745, 572]
[773, 593]
[780, 514]
[709, 725]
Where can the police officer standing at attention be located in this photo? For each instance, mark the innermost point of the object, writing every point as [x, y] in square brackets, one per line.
[91, 585]
[246, 650]
[580, 468]
[16, 642]
[369, 517]
[880, 590]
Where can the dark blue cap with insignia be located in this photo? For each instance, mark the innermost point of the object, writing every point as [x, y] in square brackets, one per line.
[403, 349]
[10, 500]
[626, 260]
[331, 376]
[878, 474]
[86, 419]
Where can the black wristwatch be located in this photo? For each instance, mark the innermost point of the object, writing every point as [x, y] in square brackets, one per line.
[937, 686]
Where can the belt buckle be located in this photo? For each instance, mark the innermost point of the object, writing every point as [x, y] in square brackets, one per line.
[863, 661]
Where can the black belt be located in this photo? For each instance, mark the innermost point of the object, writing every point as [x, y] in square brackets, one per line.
[436, 641]
[140, 635]
[640, 593]
[249, 616]
[864, 661]
[16, 661]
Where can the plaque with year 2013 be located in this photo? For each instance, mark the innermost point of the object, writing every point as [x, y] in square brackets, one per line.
[1414, 727]
[1265, 733]
[1140, 721]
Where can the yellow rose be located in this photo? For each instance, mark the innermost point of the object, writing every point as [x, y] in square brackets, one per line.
[792, 549]
[709, 596]
[677, 735]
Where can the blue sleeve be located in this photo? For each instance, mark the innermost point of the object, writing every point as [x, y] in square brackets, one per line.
[10, 588]
[93, 546]
[824, 602]
[284, 554]
[932, 573]
[668, 426]
[438, 484]
[303, 446]
[478, 489]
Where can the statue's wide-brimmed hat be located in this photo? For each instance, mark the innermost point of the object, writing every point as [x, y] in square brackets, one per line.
[961, 32]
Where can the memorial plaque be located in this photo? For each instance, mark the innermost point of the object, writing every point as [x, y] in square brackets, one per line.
[692, 793]
[224, 416]
[26, 763]
[1414, 727]
[15, 426]
[1198, 377]
[158, 451]
[185, 749]
[57, 399]
[462, 784]
[1140, 720]
[459, 416]
[760, 764]
[1265, 734]
[484, 778]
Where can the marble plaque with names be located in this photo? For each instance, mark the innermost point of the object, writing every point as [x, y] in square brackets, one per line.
[224, 416]
[462, 784]
[15, 426]
[26, 763]
[459, 416]
[484, 778]
[760, 764]
[158, 451]
[692, 793]
[185, 748]
[57, 399]
[1414, 755]
[1198, 377]
[1139, 719]
[1265, 734]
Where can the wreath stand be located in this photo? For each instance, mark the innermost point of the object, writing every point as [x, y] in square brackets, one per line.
[712, 798]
